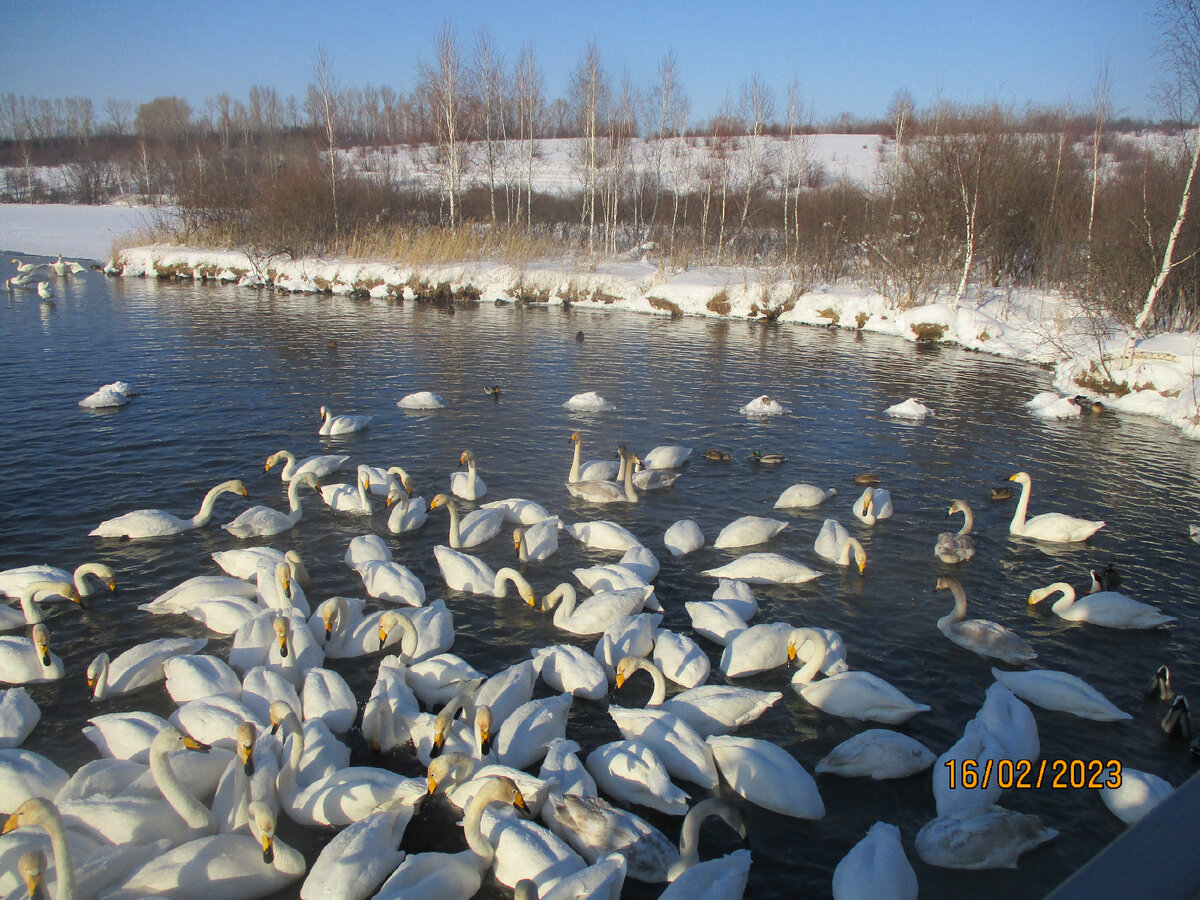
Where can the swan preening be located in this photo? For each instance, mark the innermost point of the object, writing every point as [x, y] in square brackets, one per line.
[1056, 527]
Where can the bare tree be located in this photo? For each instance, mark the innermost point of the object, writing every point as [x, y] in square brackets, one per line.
[442, 81]
[757, 108]
[530, 109]
[900, 113]
[589, 96]
[1181, 30]
[325, 107]
[1100, 98]
[664, 102]
[487, 77]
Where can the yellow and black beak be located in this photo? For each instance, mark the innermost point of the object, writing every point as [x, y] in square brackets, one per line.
[46, 660]
[191, 743]
[791, 652]
[620, 679]
[519, 803]
[485, 741]
[439, 741]
[268, 848]
[383, 635]
[329, 630]
[283, 647]
[10, 824]
[431, 785]
[246, 754]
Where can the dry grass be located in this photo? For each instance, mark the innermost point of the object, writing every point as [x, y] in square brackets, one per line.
[1099, 381]
[831, 314]
[665, 305]
[928, 332]
[719, 303]
[439, 246]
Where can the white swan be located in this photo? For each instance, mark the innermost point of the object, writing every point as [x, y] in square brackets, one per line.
[463, 572]
[264, 521]
[835, 544]
[237, 866]
[42, 813]
[563, 766]
[767, 775]
[596, 612]
[30, 613]
[360, 857]
[524, 735]
[648, 479]
[350, 498]
[453, 876]
[738, 597]
[28, 660]
[407, 513]
[468, 484]
[519, 511]
[626, 636]
[630, 771]
[13, 582]
[606, 491]
[680, 659]
[603, 535]
[678, 747]
[804, 496]
[335, 425]
[320, 466]
[595, 470]
[1056, 527]
[344, 795]
[873, 505]
[389, 580]
[764, 568]
[759, 648]
[1051, 689]
[564, 667]
[422, 400]
[243, 563]
[955, 547]
[508, 689]
[667, 456]
[709, 709]
[876, 867]
[982, 837]
[748, 530]
[195, 677]
[475, 528]
[1108, 608]
[877, 753]
[537, 542]
[176, 814]
[1137, 794]
[125, 735]
[683, 537]
[1010, 722]
[138, 666]
[25, 774]
[851, 694]
[981, 636]
[19, 715]
[146, 523]
[589, 401]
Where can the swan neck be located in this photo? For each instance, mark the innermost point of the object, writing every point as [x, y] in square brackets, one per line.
[191, 810]
[455, 534]
[509, 574]
[573, 476]
[1060, 587]
[960, 602]
[289, 465]
[564, 609]
[630, 493]
[64, 871]
[1018, 519]
[809, 671]
[659, 695]
[100, 691]
[206, 507]
[286, 780]
[472, 825]
[968, 521]
[294, 494]
[31, 611]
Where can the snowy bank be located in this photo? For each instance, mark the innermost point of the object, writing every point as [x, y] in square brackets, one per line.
[1156, 376]
[48, 229]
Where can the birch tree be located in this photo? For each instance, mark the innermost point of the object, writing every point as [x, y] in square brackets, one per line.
[1181, 30]
[757, 108]
[488, 80]
[442, 81]
[326, 109]
[530, 109]
[589, 96]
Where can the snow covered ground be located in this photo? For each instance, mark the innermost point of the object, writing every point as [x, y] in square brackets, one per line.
[1157, 376]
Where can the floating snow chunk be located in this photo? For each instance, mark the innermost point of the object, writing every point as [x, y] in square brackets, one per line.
[587, 402]
[422, 400]
[115, 394]
[912, 408]
[1049, 405]
[763, 406]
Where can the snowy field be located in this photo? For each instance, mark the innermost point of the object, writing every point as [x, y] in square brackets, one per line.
[81, 232]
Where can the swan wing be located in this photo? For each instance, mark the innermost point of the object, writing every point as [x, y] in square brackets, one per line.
[767, 775]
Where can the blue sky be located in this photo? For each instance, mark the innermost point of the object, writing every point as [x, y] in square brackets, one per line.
[848, 56]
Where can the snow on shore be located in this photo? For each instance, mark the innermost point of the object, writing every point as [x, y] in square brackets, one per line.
[1158, 376]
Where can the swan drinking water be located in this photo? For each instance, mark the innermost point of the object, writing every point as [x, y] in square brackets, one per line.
[1108, 608]
[146, 523]
[264, 521]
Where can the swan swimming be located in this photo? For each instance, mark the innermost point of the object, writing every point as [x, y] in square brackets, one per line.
[981, 636]
[334, 425]
[955, 547]
[1108, 608]
[1056, 527]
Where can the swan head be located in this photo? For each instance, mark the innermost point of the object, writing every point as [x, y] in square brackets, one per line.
[244, 738]
[1021, 478]
[466, 458]
[32, 868]
[1161, 684]
[626, 666]
[403, 478]
[483, 724]
[171, 738]
[452, 767]
[274, 459]
[35, 811]
[388, 623]
[278, 713]
[439, 500]
[96, 668]
[518, 536]
[324, 413]
[957, 506]
[575, 438]
[280, 627]
[262, 820]
[41, 643]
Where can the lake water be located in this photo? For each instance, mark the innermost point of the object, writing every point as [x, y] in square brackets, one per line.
[227, 376]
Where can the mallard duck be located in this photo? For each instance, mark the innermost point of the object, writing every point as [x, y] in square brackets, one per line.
[716, 455]
[767, 459]
[1002, 493]
[866, 478]
[493, 391]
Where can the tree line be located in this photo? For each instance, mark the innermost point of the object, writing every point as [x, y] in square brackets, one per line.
[966, 196]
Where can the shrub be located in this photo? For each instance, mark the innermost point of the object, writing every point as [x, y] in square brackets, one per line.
[719, 303]
[928, 332]
[665, 305]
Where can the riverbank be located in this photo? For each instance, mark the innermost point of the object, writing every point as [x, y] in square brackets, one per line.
[1157, 376]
